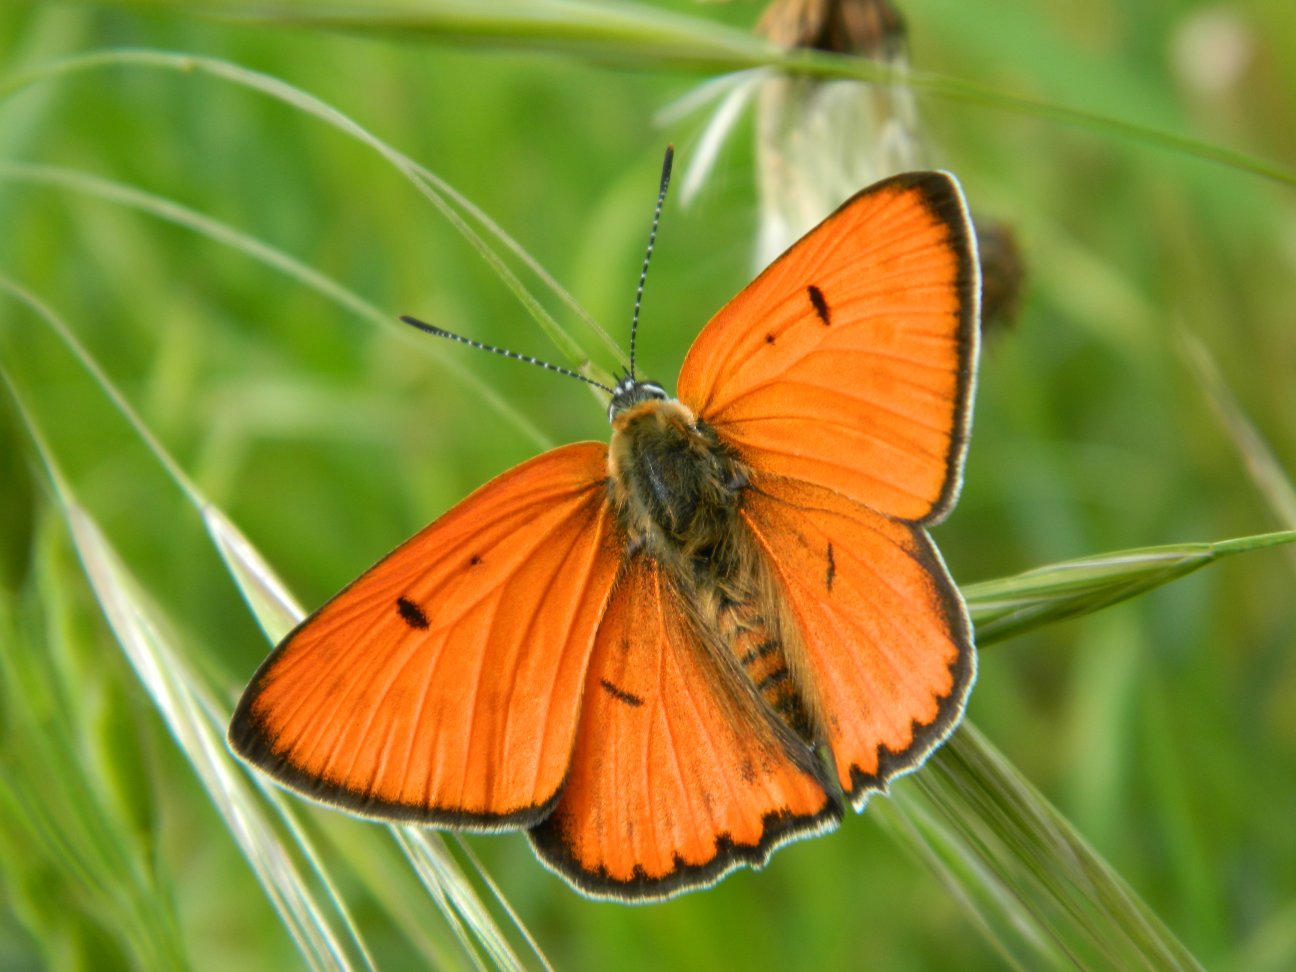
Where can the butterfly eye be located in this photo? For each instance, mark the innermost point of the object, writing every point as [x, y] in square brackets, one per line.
[630, 393]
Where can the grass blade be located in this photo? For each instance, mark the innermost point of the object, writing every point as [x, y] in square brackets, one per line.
[1004, 608]
[1038, 888]
[325, 936]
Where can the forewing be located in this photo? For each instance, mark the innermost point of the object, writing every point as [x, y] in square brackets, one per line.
[444, 685]
[849, 361]
[887, 642]
[679, 775]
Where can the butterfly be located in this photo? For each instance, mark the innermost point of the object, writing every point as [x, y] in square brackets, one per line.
[667, 656]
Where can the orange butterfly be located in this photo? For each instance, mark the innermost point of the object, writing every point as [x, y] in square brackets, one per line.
[669, 656]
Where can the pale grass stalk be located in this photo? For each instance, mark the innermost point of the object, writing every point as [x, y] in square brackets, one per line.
[216, 231]
[442, 196]
[325, 941]
[197, 720]
[1012, 605]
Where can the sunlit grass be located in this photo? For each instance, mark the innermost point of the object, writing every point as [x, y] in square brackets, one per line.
[196, 338]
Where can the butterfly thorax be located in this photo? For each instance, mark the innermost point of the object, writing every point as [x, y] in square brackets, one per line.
[677, 491]
[676, 487]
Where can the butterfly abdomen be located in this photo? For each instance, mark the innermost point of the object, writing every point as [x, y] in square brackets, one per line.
[677, 491]
[761, 653]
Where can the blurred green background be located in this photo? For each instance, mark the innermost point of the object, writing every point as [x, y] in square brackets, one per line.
[1163, 728]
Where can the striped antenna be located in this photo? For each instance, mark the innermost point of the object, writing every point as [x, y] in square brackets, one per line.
[652, 238]
[442, 332]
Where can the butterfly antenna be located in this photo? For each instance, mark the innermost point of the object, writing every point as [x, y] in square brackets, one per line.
[652, 238]
[442, 332]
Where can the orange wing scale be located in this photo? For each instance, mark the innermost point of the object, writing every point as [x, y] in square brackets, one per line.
[679, 774]
[445, 684]
[849, 362]
[884, 630]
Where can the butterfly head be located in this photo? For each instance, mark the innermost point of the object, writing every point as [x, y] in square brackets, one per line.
[630, 392]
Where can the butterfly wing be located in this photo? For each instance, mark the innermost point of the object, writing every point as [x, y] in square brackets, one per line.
[883, 628]
[843, 376]
[849, 361]
[679, 774]
[444, 686]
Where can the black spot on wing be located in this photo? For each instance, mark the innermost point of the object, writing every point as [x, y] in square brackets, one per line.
[769, 338]
[620, 694]
[820, 304]
[411, 613]
[832, 570]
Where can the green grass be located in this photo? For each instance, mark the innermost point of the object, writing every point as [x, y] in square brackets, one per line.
[231, 250]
